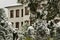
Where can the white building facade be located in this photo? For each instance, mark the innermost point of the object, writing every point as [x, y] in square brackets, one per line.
[18, 15]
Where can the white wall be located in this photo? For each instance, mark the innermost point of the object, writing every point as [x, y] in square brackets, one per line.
[19, 19]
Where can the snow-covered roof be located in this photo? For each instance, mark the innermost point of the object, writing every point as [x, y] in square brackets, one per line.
[13, 5]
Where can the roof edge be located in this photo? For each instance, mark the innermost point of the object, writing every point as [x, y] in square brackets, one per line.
[14, 5]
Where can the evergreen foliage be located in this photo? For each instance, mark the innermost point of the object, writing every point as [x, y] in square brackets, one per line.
[52, 9]
[5, 30]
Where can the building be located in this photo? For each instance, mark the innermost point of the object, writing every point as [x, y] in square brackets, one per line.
[18, 15]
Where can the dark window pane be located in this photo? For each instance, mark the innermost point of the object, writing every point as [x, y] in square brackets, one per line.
[21, 23]
[11, 13]
[26, 11]
[17, 13]
[17, 24]
[21, 12]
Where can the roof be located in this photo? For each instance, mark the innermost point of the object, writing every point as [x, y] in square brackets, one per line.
[14, 5]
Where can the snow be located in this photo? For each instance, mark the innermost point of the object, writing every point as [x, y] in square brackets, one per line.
[44, 2]
[58, 24]
[31, 28]
[15, 4]
[2, 21]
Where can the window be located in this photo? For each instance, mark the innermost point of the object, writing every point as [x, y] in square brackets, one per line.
[11, 13]
[17, 24]
[17, 13]
[21, 12]
[21, 23]
[26, 11]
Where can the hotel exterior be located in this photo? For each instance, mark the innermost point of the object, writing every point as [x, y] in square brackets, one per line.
[18, 15]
